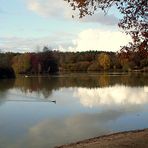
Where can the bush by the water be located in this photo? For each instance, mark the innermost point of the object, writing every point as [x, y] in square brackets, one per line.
[7, 72]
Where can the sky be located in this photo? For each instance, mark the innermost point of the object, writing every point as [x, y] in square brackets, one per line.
[29, 25]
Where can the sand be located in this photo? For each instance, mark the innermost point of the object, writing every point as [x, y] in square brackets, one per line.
[128, 139]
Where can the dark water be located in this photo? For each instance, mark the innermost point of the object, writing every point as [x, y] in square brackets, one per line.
[87, 105]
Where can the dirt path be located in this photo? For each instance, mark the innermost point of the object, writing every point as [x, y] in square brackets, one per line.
[130, 139]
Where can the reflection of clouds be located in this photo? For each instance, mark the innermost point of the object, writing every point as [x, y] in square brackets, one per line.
[116, 95]
[57, 131]
[146, 89]
[53, 132]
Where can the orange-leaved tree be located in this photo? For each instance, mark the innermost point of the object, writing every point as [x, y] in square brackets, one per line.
[133, 22]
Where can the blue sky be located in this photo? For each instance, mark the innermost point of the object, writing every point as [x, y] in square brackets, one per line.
[28, 25]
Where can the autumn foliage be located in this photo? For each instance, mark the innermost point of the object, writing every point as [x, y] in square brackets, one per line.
[47, 62]
[133, 22]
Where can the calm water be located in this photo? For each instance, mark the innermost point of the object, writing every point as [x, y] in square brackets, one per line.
[87, 105]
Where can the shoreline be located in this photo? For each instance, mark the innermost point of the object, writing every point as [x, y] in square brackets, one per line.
[130, 139]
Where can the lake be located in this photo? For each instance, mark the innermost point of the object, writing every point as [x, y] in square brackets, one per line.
[47, 111]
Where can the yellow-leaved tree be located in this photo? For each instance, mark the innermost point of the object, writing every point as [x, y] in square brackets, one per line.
[104, 61]
[21, 63]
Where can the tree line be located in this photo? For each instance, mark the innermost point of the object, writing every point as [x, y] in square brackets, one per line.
[49, 61]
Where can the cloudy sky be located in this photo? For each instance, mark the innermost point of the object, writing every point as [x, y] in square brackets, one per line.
[28, 25]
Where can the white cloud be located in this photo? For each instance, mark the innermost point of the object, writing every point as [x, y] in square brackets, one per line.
[97, 39]
[50, 8]
[89, 39]
[100, 17]
[116, 95]
[61, 9]
[20, 44]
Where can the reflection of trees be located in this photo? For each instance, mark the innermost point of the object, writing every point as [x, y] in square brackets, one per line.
[136, 79]
[4, 86]
[45, 85]
[104, 80]
[41, 85]
[78, 81]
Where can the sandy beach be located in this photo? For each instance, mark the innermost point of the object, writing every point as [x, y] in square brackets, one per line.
[127, 139]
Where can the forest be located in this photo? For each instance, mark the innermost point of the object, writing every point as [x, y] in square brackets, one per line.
[133, 57]
[50, 61]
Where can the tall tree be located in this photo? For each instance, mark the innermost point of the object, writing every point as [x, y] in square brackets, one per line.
[104, 61]
[21, 63]
[134, 21]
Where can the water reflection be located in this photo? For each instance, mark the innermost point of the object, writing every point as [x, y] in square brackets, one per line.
[88, 105]
[56, 131]
[69, 129]
[44, 86]
[5, 85]
[40, 85]
[116, 95]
